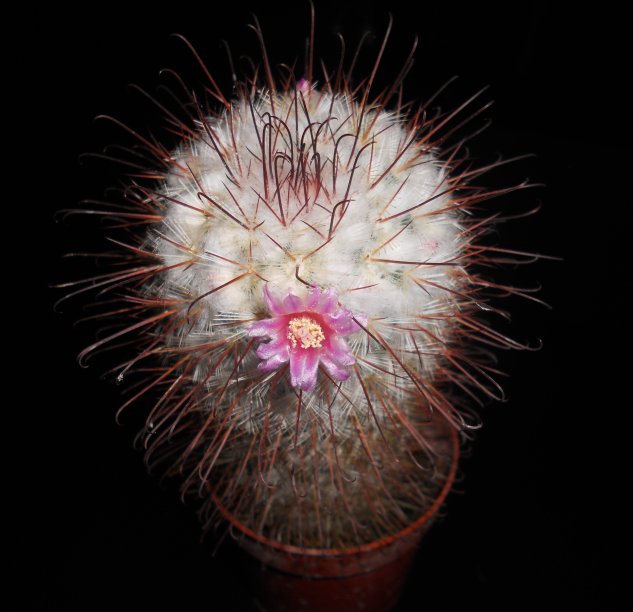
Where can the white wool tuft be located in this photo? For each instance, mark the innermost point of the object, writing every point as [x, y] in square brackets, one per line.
[315, 162]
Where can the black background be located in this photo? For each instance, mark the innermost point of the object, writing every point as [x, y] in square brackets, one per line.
[535, 518]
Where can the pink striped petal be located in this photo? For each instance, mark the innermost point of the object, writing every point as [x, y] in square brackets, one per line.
[292, 303]
[274, 362]
[340, 352]
[314, 295]
[328, 301]
[335, 371]
[268, 349]
[273, 303]
[343, 322]
[265, 327]
[304, 365]
[362, 319]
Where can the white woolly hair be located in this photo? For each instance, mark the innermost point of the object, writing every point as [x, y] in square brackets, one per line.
[385, 239]
[348, 199]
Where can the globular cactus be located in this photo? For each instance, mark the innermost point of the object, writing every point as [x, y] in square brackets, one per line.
[299, 276]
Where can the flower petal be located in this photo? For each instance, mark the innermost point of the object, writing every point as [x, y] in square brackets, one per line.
[314, 295]
[273, 303]
[328, 301]
[342, 321]
[304, 365]
[265, 327]
[274, 362]
[362, 319]
[292, 303]
[336, 371]
[268, 349]
[340, 352]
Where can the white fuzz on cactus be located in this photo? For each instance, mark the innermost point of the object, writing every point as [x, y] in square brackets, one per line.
[307, 189]
[305, 302]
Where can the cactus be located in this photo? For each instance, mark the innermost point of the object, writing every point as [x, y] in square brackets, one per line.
[302, 277]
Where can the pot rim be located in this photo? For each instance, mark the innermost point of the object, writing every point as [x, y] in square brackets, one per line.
[362, 548]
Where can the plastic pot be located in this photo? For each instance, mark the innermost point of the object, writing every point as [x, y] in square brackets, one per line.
[369, 577]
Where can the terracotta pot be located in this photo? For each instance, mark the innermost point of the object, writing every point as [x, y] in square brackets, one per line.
[368, 577]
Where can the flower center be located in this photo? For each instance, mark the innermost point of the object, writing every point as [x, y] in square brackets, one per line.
[305, 331]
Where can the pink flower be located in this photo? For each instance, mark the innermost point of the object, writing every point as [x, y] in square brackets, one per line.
[306, 332]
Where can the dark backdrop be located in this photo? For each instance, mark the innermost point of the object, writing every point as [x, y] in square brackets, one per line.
[534, 520]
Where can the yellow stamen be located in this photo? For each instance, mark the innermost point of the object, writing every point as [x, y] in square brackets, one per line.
[306, 331]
